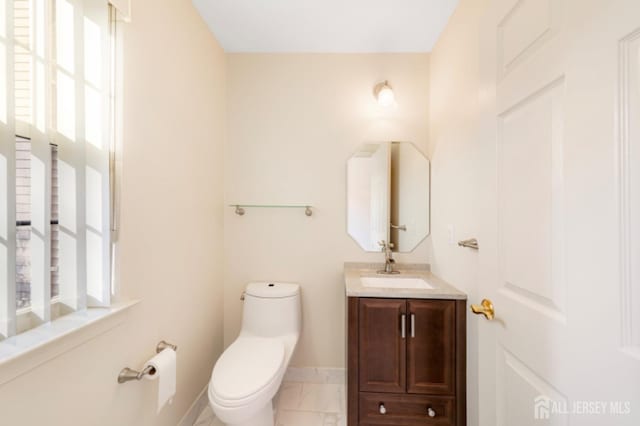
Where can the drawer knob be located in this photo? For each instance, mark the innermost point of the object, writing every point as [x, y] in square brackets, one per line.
[431, 412]
[382, 409]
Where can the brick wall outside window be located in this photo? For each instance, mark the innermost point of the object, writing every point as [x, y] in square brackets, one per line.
[23, 218]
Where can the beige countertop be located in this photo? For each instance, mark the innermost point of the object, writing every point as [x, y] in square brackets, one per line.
[353, 272]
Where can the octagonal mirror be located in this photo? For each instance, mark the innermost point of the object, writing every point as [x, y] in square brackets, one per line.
[388, 196]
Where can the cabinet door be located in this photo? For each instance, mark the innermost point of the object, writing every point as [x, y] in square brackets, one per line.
[382, 347]
[431, 347]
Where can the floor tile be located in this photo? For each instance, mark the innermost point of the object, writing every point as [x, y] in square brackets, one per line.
[205, 418]
[290, 396]
[299, 418]
[325, 398]
[335, 419]
[300, 404]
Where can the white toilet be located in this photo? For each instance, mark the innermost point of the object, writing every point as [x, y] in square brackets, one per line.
[248, 374]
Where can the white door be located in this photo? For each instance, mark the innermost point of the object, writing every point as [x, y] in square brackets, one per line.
[561, 172]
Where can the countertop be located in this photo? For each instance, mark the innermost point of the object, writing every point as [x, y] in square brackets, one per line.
[354, 288]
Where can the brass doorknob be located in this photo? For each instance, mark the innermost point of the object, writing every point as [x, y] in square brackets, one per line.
[486, 309]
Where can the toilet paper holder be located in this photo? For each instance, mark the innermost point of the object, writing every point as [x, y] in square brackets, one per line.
[128, 374]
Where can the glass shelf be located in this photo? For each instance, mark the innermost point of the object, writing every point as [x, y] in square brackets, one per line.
[240, 208]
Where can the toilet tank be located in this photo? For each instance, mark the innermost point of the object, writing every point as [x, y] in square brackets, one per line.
[271, 309]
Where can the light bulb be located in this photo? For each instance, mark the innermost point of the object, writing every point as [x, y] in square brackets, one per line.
[384, 94]
[386, 97]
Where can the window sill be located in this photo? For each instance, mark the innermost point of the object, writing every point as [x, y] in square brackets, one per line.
[26, 351]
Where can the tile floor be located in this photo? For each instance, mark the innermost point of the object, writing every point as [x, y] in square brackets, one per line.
[300, 404]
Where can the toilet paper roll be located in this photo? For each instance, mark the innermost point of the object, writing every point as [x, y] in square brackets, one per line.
[164, 364]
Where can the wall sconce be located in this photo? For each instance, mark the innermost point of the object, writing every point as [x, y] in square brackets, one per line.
[384, 94]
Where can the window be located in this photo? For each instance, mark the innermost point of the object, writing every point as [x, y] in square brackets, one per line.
[55, 148]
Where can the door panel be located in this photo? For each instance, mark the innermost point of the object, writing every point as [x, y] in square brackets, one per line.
[382, 348]
[431, 347]
[530, 229]
[524, 27]
[519, 387]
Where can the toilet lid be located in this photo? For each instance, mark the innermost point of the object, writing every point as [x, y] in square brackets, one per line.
[247, 366]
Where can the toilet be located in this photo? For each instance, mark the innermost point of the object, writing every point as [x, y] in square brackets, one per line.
[249, 372]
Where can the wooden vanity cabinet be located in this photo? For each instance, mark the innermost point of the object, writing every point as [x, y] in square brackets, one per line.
[408, 356]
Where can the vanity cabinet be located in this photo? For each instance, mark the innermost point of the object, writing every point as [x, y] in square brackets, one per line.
[406, 362]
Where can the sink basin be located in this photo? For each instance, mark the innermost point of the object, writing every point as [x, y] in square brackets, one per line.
[395, 282]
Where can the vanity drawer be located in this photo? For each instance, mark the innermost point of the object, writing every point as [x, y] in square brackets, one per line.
[405, 410]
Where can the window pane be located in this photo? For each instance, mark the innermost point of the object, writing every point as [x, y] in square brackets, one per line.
[66, 105]
[24, 219]
[65, 44]
[23, 67]
[23, 222]
[55, 260]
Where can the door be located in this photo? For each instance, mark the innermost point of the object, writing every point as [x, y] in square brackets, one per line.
[382, 345]
[431, 347]
[559, 79]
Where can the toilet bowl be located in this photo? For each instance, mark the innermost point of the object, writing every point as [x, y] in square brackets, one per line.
[249, 372]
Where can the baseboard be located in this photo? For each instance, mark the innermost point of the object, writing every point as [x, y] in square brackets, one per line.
[319, 375]
[196, 408]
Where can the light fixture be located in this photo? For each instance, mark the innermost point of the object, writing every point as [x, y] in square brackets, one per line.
[384, 94]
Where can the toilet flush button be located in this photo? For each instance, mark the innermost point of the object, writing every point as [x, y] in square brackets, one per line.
[272, 289]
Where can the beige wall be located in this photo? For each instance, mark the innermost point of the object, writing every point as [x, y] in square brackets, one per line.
[294, 120]
[454, 149]
[171, 235]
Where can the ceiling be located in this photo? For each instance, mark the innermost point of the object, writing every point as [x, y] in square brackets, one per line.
[326, 25]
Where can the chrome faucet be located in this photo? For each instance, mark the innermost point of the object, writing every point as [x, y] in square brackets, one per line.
[388, 258]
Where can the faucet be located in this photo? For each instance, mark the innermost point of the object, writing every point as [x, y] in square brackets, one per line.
[388, 258]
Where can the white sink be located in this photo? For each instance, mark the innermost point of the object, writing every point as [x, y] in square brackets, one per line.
[395, 282]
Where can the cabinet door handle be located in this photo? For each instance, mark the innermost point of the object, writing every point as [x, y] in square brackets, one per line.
[431, 412]
[413, 325]
[382, 409]
[403, 325]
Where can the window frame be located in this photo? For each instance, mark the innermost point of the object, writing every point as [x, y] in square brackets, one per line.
[27, 350]
[72, 329]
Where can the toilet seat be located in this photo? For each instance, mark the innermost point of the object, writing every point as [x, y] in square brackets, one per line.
[246, 370]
